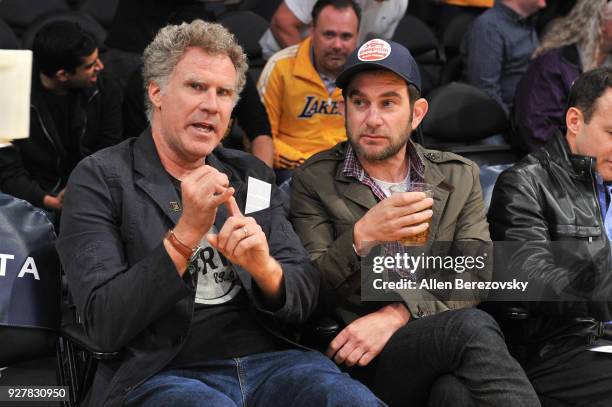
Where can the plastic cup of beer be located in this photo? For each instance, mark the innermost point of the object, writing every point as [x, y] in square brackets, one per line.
[419, 239]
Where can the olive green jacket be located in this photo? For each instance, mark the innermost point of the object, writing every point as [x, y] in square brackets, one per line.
[325, 204]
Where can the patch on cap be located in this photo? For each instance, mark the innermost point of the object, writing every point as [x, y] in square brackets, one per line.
[374, 50]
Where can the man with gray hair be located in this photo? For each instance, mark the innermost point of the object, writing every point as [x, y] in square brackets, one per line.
[165, 268]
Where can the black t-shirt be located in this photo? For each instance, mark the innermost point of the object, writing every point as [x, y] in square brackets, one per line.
[224, 325]
[224, 331]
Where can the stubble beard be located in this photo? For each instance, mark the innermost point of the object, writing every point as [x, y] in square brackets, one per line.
[391, 150]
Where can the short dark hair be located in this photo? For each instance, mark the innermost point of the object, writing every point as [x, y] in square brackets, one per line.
[413, 94]
[587, 89]
[62, 45]
[338, 5]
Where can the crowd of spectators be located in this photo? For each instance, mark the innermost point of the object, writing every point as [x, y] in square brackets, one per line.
[74, 113]
[496, 52]
[578, 42]
[332, 118]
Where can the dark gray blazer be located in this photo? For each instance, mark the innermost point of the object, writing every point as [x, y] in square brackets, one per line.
[119, 204]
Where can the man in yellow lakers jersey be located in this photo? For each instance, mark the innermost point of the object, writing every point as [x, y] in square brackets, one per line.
[298, 86]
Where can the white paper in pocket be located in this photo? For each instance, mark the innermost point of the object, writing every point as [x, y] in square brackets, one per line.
[602, 346]
[258, 195]
[602, 349]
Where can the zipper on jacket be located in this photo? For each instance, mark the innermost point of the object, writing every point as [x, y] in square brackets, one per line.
[57, 158]
[84, 129]
[598, 207]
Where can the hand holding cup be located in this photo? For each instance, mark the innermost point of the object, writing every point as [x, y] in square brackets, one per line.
[420, 238]
[397, 218]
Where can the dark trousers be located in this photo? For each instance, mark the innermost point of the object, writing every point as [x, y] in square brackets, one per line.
[577, 377]
[455, 358]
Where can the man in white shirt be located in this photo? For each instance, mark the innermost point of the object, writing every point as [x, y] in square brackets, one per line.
[289, 24]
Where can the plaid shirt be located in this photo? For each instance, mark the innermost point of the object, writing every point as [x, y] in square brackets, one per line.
[353, 168]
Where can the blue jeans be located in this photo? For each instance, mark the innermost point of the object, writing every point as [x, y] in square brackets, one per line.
[286, 378]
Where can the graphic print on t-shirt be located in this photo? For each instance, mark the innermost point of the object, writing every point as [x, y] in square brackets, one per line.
[217, 280]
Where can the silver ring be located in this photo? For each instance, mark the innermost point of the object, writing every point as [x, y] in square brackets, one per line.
[245, 231]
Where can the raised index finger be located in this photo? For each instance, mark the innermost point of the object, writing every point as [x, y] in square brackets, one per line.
[232, 208]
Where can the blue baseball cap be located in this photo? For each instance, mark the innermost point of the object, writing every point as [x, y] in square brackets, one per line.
[380, 54]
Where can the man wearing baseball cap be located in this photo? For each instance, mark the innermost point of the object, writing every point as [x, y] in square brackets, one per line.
[420, 350]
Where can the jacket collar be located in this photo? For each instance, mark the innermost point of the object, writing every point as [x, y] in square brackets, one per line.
[156, 182]
[559, 152]
[355, 191]
[304, 66]
[153, 179]
[514, 16]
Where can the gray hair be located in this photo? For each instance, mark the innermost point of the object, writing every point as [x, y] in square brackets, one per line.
[167, 48]
[582, 25]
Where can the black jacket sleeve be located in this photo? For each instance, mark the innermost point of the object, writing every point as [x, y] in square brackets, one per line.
[116, 300]
[15, 179]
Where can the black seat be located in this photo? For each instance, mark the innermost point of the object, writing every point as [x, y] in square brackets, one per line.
[265, 9]
[452, 34]
[19, 14]
[415, 35]
[452, 70]
[103, 11]
[31, 299]
[461, 119]
[8, 39]
[85, 21]
[248, 28]
[452, 37]
[29, 283]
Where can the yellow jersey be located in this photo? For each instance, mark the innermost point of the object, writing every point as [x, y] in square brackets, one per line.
[305, 119]
[469, 3]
